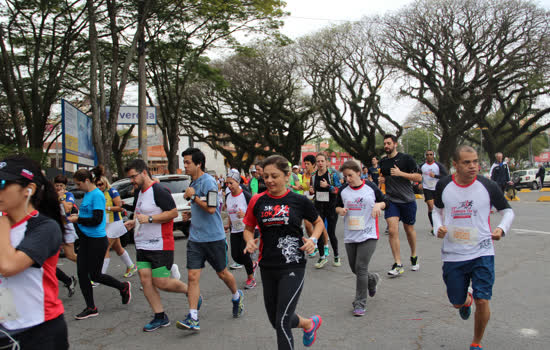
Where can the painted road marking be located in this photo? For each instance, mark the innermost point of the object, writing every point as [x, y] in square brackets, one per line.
[529, 332]
[521, 231]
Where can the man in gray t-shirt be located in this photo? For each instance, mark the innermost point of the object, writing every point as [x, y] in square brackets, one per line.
[397, 170]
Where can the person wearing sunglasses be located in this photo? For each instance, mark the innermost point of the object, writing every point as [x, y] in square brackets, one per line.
[31, 232]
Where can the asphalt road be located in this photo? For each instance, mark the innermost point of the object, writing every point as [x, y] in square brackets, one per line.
[409, 312]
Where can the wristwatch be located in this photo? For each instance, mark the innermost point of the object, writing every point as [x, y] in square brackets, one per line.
[150, 219]
[193, 197]
[314, 240]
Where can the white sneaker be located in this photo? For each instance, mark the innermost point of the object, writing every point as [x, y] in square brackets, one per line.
[415, 266]
[175, 272]
[235, 266]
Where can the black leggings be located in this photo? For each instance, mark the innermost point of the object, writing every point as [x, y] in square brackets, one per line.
[62, 276]
[328, 212]
[282, 288]
[237, 248]
[88, 264]
[50, 335]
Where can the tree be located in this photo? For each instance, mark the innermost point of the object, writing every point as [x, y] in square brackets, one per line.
[39, 41]
[180, 35]
[344, 73]
[464, 59]
[257, 105]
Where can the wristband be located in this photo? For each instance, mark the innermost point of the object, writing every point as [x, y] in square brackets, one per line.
[314, 240]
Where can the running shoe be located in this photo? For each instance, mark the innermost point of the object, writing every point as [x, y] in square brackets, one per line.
[238, 305]
[156, 323]
[189, 324]
[337, 262]
[396, 270]
[466, 310]
[250, 283]
[311, 335]
[86, 313]
[94, 284]
[126, 293]
[71, 287]
[321, 263]
[314, 254]
[175, 272]
[474, 346]
[415, 266]
[130, 271]
[327, 253]
[235, 266]
[359, 311]
[372, 289]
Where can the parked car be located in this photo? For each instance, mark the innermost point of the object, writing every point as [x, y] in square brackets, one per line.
[526, 179]
[176, 184]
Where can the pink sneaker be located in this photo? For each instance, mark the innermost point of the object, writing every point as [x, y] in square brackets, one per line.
[250, 283]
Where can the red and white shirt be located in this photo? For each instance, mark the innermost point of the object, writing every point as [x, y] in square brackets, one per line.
[35, 290]
[151, 201]
[236, 204]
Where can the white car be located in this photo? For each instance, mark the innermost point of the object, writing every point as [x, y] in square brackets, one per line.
[528, 179]
[176, 184]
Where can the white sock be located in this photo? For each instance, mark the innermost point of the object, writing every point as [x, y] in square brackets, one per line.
[126, 259]
[194, 314]
[106, 262]
[175, 272]
[236, 296]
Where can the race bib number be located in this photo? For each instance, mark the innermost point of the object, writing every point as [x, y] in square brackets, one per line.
[238, 225]
[356, 223]
[463, 235]
[7, 306]
[322, 196]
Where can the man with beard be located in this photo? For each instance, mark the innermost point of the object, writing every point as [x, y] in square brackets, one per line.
[397, 171]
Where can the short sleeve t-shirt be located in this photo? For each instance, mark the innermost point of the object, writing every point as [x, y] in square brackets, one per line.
[93, 200]
[358, 222]
[154, 236]
[205, 227]
[466, 214]
[112, 216]
[398, 189]
[236, 204]
[35, 289]
[374, 173]
[280, 222]
[428, 182]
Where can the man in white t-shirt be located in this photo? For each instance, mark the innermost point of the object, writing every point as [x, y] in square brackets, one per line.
[431, 172]
[462, 218]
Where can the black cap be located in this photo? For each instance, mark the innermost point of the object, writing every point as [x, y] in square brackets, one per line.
[16, 169]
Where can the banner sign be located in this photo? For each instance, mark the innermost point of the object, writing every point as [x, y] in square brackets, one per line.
[78, 146]
[129, 115]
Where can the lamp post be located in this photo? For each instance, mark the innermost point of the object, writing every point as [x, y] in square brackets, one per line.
[481, 140]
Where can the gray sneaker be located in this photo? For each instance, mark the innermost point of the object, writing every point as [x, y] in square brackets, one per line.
[372, 289]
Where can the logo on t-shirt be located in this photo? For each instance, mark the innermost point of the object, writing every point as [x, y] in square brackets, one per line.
[289, 248]
[275, 215]
[464, 210]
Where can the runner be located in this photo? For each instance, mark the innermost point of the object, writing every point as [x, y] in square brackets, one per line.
[115, 226]
[237, 202]
[296, 180]
[279, 213]
[462, 218]
[365, 173]
[500, 172]
[257, 184]
[360, 202]
[68, 206]
[206, 239]
[325, 185]
[431, 172]
[397, 171]
[93, 244]
[153, 223]
[31, 233]
[374, 171]
[309, 169]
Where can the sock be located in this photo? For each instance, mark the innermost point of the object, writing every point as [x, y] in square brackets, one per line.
[159, 315]
[126, 259]
[194, 314]
[236, 296]
[430, 217]
[106, 262]
[175, 272]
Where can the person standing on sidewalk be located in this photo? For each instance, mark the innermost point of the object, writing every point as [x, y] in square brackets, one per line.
[279, 213]
[397, 171]
[206, 238]
[462, 213]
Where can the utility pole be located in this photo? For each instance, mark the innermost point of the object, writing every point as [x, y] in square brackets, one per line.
[142, 103]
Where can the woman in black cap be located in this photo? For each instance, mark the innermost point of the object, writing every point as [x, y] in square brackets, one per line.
[31, 232]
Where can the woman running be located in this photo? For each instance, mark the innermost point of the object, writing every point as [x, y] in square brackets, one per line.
[31, 233]
[115, 226]
[68, 207]
[279, 213]
[360, 202]
[93, 244]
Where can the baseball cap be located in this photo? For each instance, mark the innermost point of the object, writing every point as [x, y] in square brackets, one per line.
[13, 169]
[296, 167]
[253, 169]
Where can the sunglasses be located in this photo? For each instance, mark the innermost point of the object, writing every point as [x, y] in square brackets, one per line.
[99, 184]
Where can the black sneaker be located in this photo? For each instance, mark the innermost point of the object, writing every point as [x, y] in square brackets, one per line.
[126, 293]
[415, 266]
[71, 287]
[88, 312]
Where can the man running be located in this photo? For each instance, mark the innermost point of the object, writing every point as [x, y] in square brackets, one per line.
[431, 171]
[397, 171]
[206, 237]
[500, 173]
[374, 170]
[462, 218]
[153, 225]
